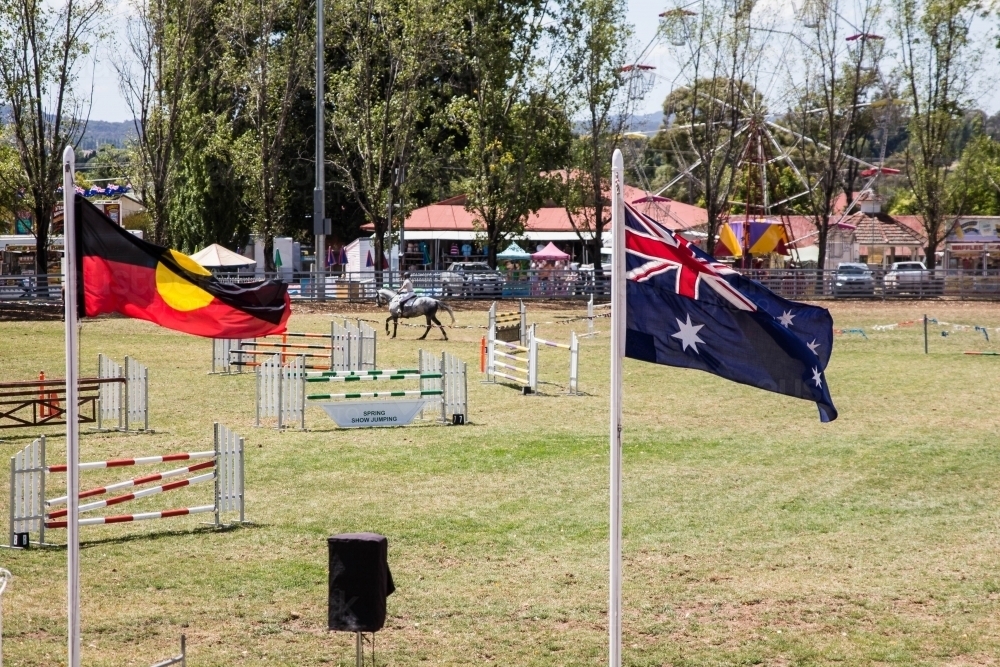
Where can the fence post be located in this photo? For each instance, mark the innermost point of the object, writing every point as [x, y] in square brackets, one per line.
[127, 401]
[257, 393]
[532, 361]
[590, 315]
[574, 361]
[446, 378]
[13, 472]
[524, 320]
[40, 463]
[218, 471]
[925, 334]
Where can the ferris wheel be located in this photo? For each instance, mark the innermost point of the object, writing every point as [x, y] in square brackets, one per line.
[769, 150]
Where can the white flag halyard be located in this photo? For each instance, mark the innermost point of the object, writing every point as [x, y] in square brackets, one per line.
[617, 355]
[72, 411]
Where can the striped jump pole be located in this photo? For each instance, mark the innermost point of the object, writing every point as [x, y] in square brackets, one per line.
[118, 500]
[145, 460]
[378, 394]
[376, 378]
[574, 357]
[138, 481]
[983, 354]
[384, 371]
[145, 516]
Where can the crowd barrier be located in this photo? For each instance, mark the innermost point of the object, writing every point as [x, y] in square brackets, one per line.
[30, 510]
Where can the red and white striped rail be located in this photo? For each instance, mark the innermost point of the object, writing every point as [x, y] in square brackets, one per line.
[125, 518]
[138, 481]
[146, 460]
[117, 500]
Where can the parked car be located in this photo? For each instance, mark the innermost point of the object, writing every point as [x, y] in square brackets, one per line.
[912, 278]
[853, 279]
[472, 279]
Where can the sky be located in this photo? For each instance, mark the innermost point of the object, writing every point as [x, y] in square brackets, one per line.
[109, 105]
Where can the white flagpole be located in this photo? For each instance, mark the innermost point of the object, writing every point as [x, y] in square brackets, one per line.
[72, 410]
[617, 353]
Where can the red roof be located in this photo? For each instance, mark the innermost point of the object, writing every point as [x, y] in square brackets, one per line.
[451, 215]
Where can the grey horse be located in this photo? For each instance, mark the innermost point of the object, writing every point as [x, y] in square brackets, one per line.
[414, 307]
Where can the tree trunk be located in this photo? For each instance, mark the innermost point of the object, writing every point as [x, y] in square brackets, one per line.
[821, 261]
[930, 261]
[43, 216]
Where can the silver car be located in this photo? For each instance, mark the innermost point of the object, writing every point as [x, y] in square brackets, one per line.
[853, 279]
[472, 279]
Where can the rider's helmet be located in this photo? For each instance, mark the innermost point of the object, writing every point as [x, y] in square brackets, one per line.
[406, 275]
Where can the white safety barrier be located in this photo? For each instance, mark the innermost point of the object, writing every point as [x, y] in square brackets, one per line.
[124, 405]
[5, 577]
[30, 513]
[574, 356]
[281, 392]
[349, 346]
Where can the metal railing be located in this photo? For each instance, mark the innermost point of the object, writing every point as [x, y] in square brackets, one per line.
[574, 284]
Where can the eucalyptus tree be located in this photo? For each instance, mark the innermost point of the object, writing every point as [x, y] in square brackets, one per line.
[152, 68]
[42, 48]
[938, 64]
[379, 91]
[835, 80]
[601, 95]
[516, 126]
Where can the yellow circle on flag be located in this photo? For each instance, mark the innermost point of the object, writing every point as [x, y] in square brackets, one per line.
[178, 292]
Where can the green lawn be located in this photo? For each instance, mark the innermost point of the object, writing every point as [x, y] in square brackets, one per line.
[753, 533]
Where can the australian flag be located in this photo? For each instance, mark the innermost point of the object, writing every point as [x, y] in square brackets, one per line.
[685, 309]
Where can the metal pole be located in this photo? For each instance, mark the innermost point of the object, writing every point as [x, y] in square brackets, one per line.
[5, 578]
[359, 658]
[319, 191]
[925, 334]
[617, 352]
[72, 413]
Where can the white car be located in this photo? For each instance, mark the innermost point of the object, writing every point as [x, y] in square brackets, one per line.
[911, 278]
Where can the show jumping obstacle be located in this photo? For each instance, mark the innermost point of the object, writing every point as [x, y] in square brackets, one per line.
[119, 395]
[518, 364]
[442, 387]
[29, 510]
[591, 307]
[509, 327]
[281, 393]
[348, 346]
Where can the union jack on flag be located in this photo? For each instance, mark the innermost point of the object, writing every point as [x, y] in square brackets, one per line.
[685, 309]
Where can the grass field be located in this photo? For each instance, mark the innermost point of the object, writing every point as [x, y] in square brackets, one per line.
[753, 533]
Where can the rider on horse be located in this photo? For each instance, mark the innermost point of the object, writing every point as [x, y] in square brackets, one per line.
[406, 290]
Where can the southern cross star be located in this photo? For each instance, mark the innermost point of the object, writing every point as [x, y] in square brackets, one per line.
[812, 346]
[688, 334]
[817, 377]
[786, 318]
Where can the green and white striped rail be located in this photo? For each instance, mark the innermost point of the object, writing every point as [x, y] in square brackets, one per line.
[414, 375]
[377, 394]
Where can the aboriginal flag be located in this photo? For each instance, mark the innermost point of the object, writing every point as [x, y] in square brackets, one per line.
[118, 272]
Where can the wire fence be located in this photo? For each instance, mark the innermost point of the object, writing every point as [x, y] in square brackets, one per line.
[802, 284]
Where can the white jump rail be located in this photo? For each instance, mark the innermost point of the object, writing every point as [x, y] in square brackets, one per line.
[124, 405]
[574, 356]
[513, 363]
[28, 506]
[348, 346]
[5, 578]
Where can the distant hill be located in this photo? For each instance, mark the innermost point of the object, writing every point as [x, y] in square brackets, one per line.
[649, 122]
[99, 132]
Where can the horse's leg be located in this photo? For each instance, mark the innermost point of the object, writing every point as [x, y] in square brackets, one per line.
[438, 322]
[387, 324]
[395, 326]
[428, 329]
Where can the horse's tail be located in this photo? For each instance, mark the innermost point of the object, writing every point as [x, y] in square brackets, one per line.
[448, 308]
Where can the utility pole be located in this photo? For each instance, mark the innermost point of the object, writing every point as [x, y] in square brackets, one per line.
[319, 192]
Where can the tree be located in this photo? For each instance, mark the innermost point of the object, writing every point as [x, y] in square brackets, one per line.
[153, 80]
[832, 118]
[380, 95]
[12, 184]
[41, 47]
[599, 92]
[976, 181]
[516, 129]
[265, 46]
[721, 47]
[937, 66]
